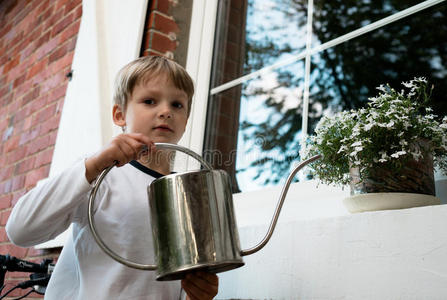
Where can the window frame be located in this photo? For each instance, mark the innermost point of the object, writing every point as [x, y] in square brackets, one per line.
[199, 64]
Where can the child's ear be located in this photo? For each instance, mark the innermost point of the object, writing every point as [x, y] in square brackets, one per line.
[119, 116]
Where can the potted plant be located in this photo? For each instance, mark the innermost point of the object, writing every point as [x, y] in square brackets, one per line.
[391, 147]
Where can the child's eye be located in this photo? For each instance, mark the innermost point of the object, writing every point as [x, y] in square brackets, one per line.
[149, 101]
[177, 104]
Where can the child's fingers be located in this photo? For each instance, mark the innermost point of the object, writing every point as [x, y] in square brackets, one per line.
[201, 285]
[128, 149]
[141, 138]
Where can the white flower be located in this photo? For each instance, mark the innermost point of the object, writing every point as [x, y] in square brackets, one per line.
[369, 126]
[390, 124]
[398, 153]
[342, 149]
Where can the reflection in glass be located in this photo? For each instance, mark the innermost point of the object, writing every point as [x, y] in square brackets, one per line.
[270, 127]
[345, 76]
[273, 32]
[334, 18]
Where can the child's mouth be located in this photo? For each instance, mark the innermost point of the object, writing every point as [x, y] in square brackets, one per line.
[163, 128]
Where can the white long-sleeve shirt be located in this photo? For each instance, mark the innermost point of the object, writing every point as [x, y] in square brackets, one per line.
[83, 270]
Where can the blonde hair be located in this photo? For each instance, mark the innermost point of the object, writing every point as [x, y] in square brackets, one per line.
[144, 68]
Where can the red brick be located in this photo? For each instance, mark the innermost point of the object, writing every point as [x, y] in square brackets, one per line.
[46, 113]
[58, 53]
[161, 43]
[53, 137]
[44, 158]
[70, 31]
[38, 144]
[37, 68]
[4, 217]
[11, 64]
[18, 81]
[151, 21]
[71, 44]
[22, 90]
[5, 201]
[47, 47]
[13, 250]
[21, 114]
[11, 144]
[27, 123]
[6, 186]
[62, 63]
[28, 136]
[3, 235]
[38, 104]
[49, 125]
[22, 13]
[161, 6]
[77, 14]
[53, 82]
[31, 95]
[43, 39]
[7, 28]
[72, 5]
[35, 175]
[165, 24]
[6, 172]
[18, 182]
[61, 25]
[24, 166]
[17, 155]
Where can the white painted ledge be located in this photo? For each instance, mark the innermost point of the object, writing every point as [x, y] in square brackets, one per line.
[399, 254]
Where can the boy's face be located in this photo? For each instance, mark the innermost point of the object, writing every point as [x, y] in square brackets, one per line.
[156, 109]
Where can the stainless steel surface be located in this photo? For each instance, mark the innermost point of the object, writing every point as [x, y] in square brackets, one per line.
[282, 197]
[193, 223]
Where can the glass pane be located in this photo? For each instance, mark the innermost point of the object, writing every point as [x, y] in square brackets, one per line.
[345, 76]
[255, 34]
[267, 130]
[334, 18]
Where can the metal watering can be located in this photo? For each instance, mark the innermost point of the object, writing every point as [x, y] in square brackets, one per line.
[193, 221]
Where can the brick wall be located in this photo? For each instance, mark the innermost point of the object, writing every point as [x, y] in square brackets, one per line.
[37, 40]
[161, 30]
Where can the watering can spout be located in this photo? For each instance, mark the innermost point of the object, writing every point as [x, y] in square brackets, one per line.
[282, 197]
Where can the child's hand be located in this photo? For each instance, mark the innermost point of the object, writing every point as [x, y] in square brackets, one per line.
[200, 285]
[122, 149]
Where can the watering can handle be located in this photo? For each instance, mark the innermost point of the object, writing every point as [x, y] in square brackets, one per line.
[91, 220]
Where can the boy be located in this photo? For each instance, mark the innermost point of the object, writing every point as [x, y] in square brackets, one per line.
[152, 103]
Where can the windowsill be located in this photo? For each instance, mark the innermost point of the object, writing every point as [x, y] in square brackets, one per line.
[393, 254]
[304, 201]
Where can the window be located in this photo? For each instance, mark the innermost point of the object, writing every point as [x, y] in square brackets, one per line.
[279, 65]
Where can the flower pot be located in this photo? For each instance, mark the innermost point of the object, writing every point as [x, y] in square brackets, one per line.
[411, 186]
[385, 201]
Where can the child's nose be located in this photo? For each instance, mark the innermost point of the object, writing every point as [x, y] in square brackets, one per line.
[165, 111]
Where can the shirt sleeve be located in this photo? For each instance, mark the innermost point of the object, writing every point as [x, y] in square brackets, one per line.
[49, 208]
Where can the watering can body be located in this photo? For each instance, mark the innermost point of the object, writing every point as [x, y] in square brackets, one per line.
[193, 223]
